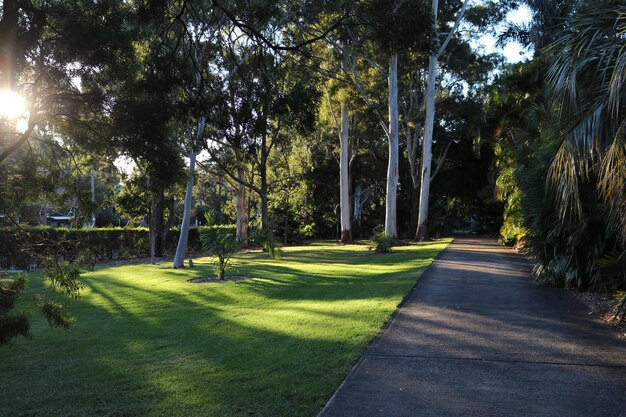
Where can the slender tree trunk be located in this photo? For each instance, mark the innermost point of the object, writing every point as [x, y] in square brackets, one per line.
[156, 225]
[184, 227]
[286, 228]
[242, 212]
[171, 218]
[93, 195]
[429, 124]
[415, 206]
[392, 168]
[344, 176]
[427, 152]
[265, 220]
[179, 258]
[427, 144]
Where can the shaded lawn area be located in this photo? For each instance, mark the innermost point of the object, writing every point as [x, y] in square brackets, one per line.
[148, 343]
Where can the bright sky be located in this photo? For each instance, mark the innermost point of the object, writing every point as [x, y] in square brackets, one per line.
[513, 51]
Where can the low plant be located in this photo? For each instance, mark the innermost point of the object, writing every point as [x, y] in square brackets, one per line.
[221, 243]
[12, 324]
[268, 242]
[381, 242]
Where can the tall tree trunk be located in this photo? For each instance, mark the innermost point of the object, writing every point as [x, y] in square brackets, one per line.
[93, 195]
[344, 176]
[171, 218]
[427, 151]
[156, 225]
[184, 228]
[412, 144]
[415, 206]
[265, 220]
[427, 144]
[242, 212]
[429, 124]
[286, 228]
[391, 229]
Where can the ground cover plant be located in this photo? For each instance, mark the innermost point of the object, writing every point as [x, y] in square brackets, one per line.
[148, 343]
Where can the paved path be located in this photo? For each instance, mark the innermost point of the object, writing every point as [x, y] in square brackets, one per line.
[477, 338]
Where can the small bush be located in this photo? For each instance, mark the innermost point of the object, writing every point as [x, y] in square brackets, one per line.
[221, 243]
[381, 242]
[268, 242]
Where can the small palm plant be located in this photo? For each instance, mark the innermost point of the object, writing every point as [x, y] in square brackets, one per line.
[221, 244]
[381, 242]
[268, 242]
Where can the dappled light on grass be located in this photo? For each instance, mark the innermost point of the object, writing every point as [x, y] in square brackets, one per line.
[147, 342]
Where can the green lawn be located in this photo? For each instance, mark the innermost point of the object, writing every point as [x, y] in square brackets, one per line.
[148, 343]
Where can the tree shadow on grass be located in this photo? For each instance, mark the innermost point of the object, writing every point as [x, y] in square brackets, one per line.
[277, 345]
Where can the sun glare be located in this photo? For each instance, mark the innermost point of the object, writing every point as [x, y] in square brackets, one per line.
[12, 105]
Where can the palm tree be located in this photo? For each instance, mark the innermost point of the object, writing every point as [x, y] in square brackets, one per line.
[587, 83]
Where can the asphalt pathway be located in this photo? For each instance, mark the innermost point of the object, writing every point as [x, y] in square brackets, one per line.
[476, 337]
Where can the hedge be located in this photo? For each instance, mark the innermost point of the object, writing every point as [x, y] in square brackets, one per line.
[19, 248]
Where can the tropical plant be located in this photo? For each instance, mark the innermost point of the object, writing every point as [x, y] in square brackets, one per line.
[221, 243]
[381, 242]
[268, 242]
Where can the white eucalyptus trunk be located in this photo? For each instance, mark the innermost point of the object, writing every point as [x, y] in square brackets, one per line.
[427, 151]
[344, 176]
[391, 229]
[427, 142]
[184, 228]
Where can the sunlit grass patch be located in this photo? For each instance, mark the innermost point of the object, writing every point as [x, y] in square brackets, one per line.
[147, 342]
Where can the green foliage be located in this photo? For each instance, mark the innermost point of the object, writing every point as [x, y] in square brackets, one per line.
[16, 324]
[306, 231]
[64, 282]
[221, 243]
[268, 242]
[381, 242]
[85, 246]
[561, 162]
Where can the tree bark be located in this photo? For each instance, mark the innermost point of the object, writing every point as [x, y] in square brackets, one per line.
[427, 144]
[265, 221]
[242, 212]
[156, 225]
[171, 218]
[344, 176]
[392, 168]
[429, 99]
[179, 258]
[427, 150]
[184, 227]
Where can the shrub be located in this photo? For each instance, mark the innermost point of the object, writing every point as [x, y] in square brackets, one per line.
[381, 242]
[27, 245]
[12, 324]
[222, 244]
[268, 242]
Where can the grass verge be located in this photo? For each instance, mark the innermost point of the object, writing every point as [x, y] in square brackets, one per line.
[148, 343]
